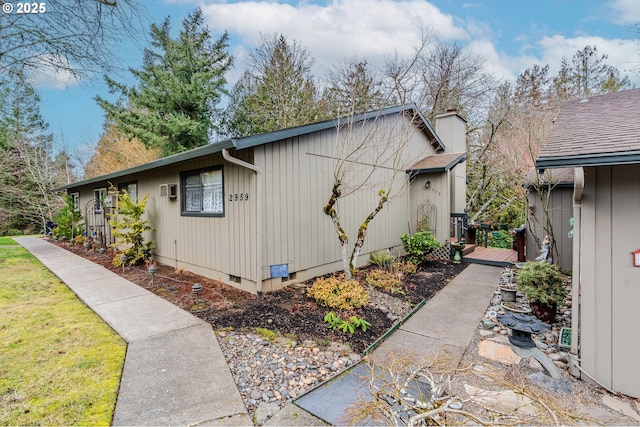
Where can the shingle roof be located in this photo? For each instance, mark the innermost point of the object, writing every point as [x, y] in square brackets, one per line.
[437, 163]
[412, 110]
[599, 130]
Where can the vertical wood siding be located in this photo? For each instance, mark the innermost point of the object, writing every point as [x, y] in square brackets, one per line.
[610, 348]
[298, 181]
[560, 210]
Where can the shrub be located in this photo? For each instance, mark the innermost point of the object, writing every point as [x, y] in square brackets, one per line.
[335, 322]
[384, 280]
[128, 229]
[382, 259]
[336, 292]
[500, 239]
[68, 220]
[419, 245]
[542, 282]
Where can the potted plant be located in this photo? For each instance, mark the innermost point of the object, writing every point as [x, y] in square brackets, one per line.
[543, 286]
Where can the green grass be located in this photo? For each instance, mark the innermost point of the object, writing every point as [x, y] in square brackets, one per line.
[60, 364]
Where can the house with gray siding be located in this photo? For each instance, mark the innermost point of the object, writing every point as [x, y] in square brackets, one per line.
[550, 213]
[249, 211]
[599, 138]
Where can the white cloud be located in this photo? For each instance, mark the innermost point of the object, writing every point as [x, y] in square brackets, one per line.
[372, 29]
[52, 72]
[625, 11]
[376, 29]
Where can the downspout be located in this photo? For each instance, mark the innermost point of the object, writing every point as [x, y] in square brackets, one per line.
[242, 163]
[578, 187]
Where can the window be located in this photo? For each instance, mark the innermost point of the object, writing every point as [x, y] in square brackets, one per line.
[203, 192]
[100, 195]
[75, 201]
[131, 188]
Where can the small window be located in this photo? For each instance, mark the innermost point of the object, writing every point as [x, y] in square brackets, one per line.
[203, 192]
[131, 188]
[100, 195]
[75, 201]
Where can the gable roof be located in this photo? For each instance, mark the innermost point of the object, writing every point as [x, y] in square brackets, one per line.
[265, 138]
[601, 130]
[437, 163]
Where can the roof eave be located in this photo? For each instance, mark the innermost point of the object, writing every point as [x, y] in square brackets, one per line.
[255, 140]
[608, 159]
[165, 161]
[445, 168]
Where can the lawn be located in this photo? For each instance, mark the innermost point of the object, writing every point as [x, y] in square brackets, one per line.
[60, 364]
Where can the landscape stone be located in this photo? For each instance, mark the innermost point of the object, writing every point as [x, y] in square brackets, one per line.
[498, 352]
[264, 411]
[545, 381]
[506, 402]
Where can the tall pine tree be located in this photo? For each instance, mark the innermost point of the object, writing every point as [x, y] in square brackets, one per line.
[276, 92]
[174, 106]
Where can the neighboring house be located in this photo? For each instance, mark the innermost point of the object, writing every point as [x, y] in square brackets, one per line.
[600, 138]
[552, 192]
[249, 211]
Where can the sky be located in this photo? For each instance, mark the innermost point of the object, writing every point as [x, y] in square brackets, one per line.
[512, 35]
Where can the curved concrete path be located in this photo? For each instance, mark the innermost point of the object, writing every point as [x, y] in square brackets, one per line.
[174, 372]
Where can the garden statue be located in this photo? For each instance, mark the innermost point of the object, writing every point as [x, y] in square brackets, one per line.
[545, 251]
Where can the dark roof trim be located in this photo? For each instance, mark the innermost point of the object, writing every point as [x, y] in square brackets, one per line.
[265, 138]
[419, 120]
[165, 161]
[606, 159]
[445, 168]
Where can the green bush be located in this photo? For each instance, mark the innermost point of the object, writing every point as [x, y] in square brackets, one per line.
[335, 322]
[128, 229]
[68, 220]
[542, 282]
[337, 292]
[500, 239]
[419, 245]
[382, 259]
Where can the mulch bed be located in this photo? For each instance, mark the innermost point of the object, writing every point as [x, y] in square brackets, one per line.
[288, 311]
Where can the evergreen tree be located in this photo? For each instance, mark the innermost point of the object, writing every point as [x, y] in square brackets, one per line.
[277, 91]
[174, 106]
[588, 74]
[352, 88]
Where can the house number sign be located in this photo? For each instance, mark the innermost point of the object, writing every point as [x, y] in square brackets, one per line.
[636, 258]
[241, 197]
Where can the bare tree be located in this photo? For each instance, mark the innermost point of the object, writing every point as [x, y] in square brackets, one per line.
[75, 36]
[370, 157]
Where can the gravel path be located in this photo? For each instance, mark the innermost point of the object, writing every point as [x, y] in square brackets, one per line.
[276, 372]
[272, 373]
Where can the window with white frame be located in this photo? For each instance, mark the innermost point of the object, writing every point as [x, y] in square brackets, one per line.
[203, 192]
[100, 195]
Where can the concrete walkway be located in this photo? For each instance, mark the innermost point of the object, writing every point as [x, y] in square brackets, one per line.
[444, 326]
[174, 372]
[447, 323]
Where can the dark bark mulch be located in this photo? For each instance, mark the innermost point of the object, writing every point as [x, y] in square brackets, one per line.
[289, 311]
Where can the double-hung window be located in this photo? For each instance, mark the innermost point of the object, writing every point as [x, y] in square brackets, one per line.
[203, 192]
